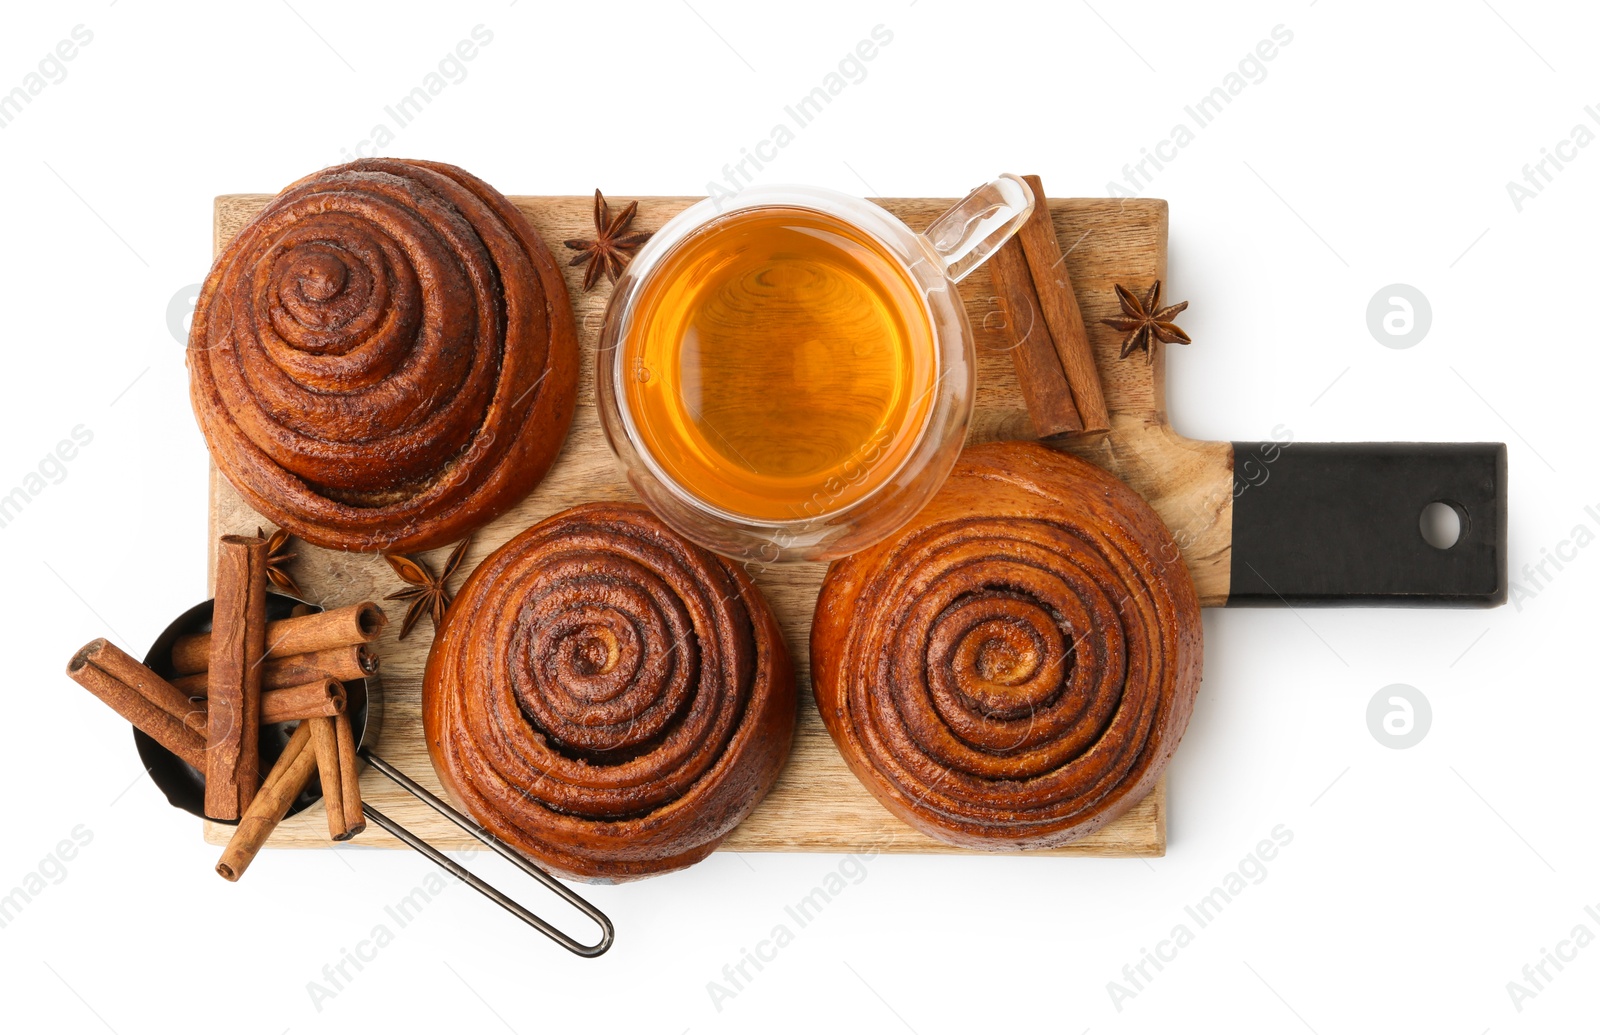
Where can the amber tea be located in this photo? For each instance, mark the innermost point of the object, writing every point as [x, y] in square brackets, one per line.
[787, 375]
[781, 364]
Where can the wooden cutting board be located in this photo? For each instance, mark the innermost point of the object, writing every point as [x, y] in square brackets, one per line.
[817, 805]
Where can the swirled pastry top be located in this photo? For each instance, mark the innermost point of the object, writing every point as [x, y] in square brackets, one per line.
[385, 357]
[607, 697]
[1015, 667]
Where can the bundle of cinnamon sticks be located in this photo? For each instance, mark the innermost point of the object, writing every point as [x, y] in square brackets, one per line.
[1050, 345]
[245, 672]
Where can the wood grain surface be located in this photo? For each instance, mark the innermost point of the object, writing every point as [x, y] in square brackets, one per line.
[817, 804]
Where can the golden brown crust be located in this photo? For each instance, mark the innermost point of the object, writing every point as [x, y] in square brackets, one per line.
[1015, 667]
[384, 358]
[607, 697]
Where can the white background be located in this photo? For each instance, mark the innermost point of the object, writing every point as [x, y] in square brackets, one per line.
[1376, 150]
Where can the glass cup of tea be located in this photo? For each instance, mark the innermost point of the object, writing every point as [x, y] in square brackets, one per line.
[787, 374]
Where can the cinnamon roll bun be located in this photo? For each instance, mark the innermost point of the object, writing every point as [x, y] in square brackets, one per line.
[385, 357]
[607, 697]
[1015, 667]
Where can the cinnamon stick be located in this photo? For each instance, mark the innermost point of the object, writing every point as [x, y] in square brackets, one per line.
[341, 627]
[129, 670]
[278, 791]
[1059, 305]
[356, 661]
[325, 743]
[321, 697]
[128, 687]
[1039, 371]
[355, 820]
[238, 642]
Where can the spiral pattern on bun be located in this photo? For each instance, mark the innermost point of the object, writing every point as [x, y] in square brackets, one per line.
[385, 357]
[607, 697]
[1014, 668]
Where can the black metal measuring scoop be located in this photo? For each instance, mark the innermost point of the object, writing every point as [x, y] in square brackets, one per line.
[184, 786]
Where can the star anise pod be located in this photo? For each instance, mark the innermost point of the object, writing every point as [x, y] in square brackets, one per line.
[278, 559]
[429, 594]
[1143, 323]
[611, 248]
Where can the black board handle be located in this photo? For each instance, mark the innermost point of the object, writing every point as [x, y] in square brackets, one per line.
[1340, 524]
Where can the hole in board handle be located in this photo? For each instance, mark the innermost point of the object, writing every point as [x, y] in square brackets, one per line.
[1443, 524]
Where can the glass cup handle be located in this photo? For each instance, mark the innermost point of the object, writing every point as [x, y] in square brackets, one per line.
[980, 223]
